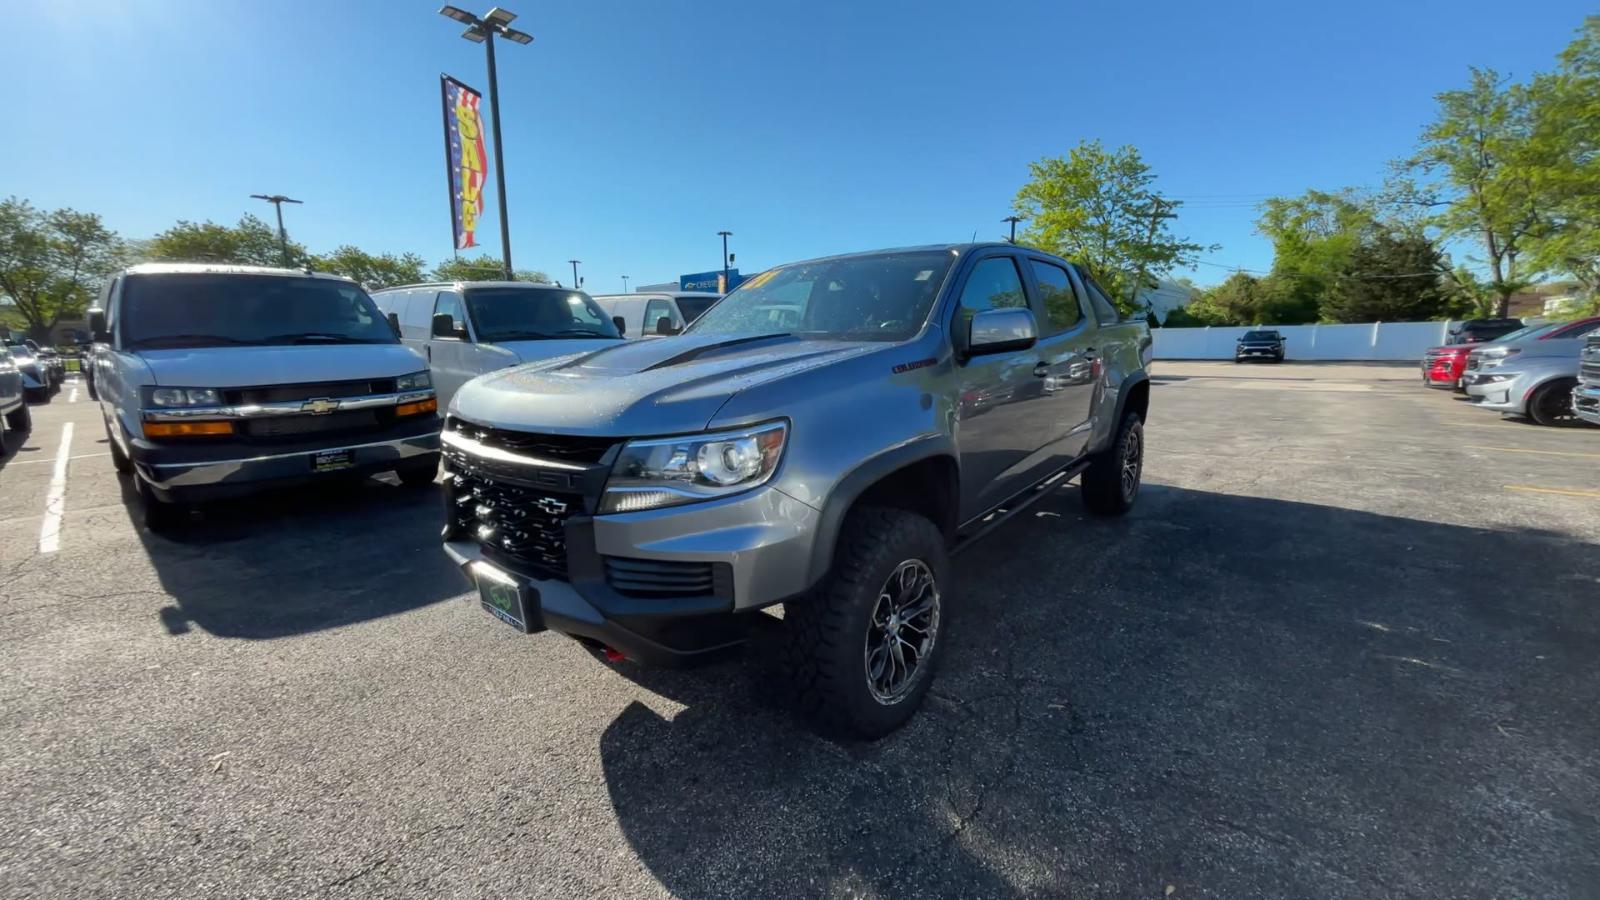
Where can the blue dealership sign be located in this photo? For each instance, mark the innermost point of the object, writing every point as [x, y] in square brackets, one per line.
[708, 281]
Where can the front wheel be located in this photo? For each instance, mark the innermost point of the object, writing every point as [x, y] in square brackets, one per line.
[1111, 483]
[419, 474]
[1551, 404]
[156, 514]
[861, 650]
[37, 396]
[20, 419]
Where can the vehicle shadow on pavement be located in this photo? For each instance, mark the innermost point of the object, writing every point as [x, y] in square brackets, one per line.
[1235, 696]
[297, 561]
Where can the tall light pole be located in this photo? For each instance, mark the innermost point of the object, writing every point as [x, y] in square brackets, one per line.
[1013, 220]
[277, 201]
[575, 285]
[482, 31]
[624, 284]
[725, 236]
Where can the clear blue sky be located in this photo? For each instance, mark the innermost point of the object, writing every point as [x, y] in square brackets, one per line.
[636, 130]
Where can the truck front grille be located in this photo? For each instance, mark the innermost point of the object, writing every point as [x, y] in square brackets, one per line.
[524, 524]
[560, 447]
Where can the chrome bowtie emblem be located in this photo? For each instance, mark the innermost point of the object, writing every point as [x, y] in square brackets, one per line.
[320, 406]
[552, 506]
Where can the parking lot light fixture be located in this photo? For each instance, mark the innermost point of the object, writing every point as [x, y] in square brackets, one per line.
[482, 31]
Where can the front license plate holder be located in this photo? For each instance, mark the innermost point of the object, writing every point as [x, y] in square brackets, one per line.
[332, 460]
[507, 598]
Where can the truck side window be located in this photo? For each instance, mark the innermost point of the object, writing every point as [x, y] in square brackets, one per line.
[1104, 309]
[1061, 310]
[450, 303]
[993, 284]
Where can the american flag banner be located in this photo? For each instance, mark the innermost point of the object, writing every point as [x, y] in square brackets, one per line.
[466, 160]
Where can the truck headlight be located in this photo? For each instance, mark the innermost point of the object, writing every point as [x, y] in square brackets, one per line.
[416, 381]
[661, 472]
[171, 397]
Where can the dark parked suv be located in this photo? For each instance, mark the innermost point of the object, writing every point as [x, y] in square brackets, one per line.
[824, 437]
[1259, 345]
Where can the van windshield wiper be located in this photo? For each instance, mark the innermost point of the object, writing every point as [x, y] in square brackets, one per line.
[310, 336]
[189, 339]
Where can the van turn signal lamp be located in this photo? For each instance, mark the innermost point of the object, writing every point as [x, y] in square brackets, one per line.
[186, 429]
[421, 406]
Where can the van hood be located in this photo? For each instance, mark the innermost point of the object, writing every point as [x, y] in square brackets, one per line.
[639, 388]
[533, 351]
[230, 367]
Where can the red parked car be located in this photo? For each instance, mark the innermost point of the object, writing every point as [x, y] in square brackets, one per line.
[1442, 367]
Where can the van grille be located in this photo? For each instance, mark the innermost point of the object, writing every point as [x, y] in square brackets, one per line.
[353, 421]
[525, 524]
[288, 393]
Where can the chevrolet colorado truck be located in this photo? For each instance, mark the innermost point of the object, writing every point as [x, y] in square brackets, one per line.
[823, 438]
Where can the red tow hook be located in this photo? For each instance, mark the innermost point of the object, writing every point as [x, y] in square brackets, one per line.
[613, 655]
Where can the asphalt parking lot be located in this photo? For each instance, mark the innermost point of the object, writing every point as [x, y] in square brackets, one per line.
[1345, 646]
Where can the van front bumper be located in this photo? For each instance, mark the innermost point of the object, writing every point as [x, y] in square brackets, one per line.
[194, 472]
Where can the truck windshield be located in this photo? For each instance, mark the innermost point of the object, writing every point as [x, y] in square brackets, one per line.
[222, 310]
[536, 313]
[692, 307]
[874, 297]
[1261, 336]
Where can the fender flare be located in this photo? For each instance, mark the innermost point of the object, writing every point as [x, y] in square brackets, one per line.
[857, 481]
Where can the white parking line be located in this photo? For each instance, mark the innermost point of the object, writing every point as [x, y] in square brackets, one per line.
[72, 395]
[56, 500]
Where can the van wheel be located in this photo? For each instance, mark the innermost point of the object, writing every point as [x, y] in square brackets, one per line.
[419, 474]
[1551, 404]
[20, 419]
[860, 651]
[1111, 483]
[119, 459]
[157, 515]
[37, 396]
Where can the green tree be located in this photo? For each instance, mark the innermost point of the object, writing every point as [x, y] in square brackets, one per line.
[373, 270]
[250, 243]
[482, 268]
[52, 264]
[1472, 170]
[1390, 278]
[1312, 238]
[1098, 208]
[1562, 161]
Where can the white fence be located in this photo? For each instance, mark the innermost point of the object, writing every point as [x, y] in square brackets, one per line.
[1377, 341]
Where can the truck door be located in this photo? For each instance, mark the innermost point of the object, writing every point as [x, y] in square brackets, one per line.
[998, 428]
[1068, 358]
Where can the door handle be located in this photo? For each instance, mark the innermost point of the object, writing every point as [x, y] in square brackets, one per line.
[1042, 370]
[427, 350]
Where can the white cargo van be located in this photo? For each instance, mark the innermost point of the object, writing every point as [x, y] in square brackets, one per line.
[464, 329]
[649, 315]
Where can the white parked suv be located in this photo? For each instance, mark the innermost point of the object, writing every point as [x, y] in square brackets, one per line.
[220, 380]
[466, 328]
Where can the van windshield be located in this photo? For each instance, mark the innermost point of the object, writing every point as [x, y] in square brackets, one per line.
[536, 313]
[692, 307]
[223, 310]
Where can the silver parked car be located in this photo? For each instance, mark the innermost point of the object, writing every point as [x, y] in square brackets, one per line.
[220, 380]
[1535, 382]
[37, 381]
[1561, 339]
[650, 315]
[14, 412]
[464, 329]
[1586, 394]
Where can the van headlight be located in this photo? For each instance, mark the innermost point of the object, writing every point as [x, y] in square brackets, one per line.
[416, 381]
[175, 397]
[661, 472]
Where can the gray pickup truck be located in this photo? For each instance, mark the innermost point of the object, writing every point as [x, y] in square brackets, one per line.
[823, 438]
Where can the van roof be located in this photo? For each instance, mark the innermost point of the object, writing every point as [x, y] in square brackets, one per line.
[471, 285]
[173, 268]
[647, 294]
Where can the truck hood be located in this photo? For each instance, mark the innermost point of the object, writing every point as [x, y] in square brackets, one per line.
[637, 388]
[227, 367]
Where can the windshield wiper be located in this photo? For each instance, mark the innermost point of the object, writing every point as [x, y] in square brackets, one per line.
[308, 336]
[190, 338]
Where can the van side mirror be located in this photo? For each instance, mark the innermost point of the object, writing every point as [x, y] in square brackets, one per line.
[664, 327]
[444, 325]
[97, 326]
[621, 323]
[394, 323]
[1001, 331]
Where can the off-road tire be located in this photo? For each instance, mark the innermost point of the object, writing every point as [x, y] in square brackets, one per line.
[1551, 404]
[20, 419]
[1104, 490]
[416, 475]
[823, 653]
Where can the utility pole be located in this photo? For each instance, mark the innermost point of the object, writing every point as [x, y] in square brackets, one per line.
[482, 31]
[624, 284]
[1157, 213]
[575, 285]
[725, 236]
[1013, 220]
[277, 201]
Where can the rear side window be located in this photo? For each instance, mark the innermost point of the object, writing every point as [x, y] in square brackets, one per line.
[1104, 309]
[1060, 303]
[993, 284]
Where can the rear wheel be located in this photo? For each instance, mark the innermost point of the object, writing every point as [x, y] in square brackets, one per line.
[1111, 483]
[1551, 404]
[861, 650]
[20, 419]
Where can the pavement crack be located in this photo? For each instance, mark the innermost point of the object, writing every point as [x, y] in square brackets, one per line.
[360, 873]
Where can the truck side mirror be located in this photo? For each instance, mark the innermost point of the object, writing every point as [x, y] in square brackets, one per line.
[621, 323]
[664, 327]
[394, 323]
[1001, 331]
[444, 325]
[97, 326]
